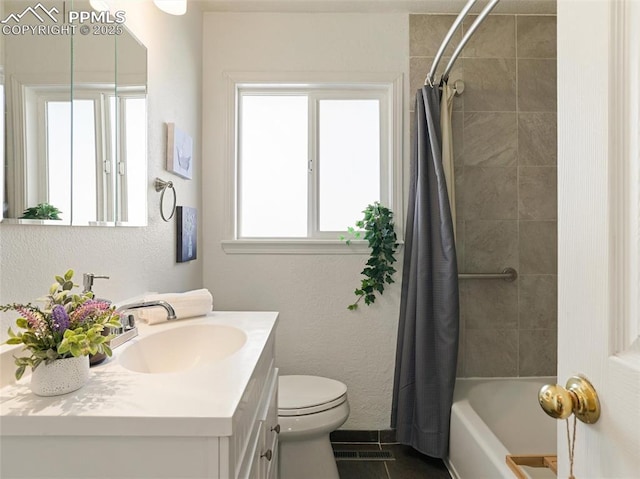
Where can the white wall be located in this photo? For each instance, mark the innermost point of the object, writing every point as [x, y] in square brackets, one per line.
[316, 333]
[137, 259]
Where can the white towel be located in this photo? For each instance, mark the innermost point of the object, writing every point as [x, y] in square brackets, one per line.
[186, 305]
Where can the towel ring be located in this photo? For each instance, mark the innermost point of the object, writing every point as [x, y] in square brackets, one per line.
[162, 185]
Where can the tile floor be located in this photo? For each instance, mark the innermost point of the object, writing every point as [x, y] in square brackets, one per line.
[408, 464]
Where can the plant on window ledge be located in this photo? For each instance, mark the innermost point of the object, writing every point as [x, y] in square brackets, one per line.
[43, 211]
[377, 226]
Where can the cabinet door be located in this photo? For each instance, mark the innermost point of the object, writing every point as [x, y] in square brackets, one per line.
[271, 429]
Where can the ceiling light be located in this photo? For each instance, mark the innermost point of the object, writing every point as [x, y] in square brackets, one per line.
[174, 7]
[99, 5]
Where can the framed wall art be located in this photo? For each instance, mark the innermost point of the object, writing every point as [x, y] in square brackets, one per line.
[179, 152]
[187, 247]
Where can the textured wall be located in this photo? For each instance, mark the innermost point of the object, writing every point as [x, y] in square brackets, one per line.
[505, 155]
[137, 259]
[316, 333]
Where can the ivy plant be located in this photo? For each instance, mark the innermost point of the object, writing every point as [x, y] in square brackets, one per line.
[378, 229]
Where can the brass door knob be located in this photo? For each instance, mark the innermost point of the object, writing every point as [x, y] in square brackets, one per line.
[578, 397]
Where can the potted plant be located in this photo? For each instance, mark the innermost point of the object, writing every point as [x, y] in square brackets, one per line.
[42, 211]
[60, 335]
[379, 231]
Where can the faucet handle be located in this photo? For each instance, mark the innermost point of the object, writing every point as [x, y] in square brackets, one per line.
[87, 280]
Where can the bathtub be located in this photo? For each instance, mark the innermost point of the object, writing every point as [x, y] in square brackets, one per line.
[491, 418]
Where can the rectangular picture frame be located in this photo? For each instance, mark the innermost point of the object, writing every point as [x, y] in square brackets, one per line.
[187, 244]
[179, 152]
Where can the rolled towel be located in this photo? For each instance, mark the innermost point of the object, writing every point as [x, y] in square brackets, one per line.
[186, 305]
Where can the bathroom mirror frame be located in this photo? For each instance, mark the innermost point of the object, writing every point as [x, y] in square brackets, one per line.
[107, 77]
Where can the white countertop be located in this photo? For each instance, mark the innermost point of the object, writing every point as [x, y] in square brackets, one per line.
[118, 402]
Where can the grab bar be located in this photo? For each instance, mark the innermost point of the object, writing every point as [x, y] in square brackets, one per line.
[508, 274]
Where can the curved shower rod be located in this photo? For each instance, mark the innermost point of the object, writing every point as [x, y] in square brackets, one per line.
[465, 39]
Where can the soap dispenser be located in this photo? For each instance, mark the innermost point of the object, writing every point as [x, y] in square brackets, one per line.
[87, 280]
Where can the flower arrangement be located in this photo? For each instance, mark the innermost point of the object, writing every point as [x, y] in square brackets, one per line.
[68, 325]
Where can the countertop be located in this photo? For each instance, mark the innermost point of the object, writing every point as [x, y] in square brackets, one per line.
[118, 402]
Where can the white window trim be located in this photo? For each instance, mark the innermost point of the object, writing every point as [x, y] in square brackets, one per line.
[392, 82]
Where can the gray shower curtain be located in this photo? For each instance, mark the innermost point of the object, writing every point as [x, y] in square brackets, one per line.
[427, 350]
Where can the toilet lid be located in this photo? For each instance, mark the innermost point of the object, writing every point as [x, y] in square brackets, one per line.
[298, 395]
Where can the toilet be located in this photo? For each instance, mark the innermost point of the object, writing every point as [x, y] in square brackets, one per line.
[309, 409]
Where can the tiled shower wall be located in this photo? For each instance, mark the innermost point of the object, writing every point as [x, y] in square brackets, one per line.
[504, 128]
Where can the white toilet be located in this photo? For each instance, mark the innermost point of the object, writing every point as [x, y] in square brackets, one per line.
[309, 409]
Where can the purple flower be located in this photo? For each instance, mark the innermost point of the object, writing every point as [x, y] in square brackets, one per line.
[60, 319]
[87, 309]
[35, 320]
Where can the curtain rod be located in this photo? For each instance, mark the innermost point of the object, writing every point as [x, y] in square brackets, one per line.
[447, 40]
[465, 39]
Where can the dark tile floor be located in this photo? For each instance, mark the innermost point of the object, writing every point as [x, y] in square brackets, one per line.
[408, 464]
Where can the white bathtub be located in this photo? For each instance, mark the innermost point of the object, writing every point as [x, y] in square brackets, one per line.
[491, 418]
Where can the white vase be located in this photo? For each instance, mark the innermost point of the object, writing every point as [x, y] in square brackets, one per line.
[60, 377]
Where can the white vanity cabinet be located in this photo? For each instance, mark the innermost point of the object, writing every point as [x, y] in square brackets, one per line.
[252, 451]
[215, 423]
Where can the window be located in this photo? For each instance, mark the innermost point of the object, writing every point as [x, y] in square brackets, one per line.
[98, 154]
[308, 158]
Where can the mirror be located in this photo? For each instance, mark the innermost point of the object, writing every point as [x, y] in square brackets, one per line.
[75, 120]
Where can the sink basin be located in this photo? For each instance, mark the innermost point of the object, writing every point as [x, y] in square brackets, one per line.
[182, 348]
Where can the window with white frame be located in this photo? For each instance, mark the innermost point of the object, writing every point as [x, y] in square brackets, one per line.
[310, 157]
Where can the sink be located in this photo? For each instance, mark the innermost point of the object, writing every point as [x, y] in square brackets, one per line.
[181, 348]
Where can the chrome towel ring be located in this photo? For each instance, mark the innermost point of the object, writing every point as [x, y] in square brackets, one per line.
[162, 185]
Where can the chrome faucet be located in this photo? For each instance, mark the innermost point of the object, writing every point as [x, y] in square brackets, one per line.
[171, 314]
[128, 330]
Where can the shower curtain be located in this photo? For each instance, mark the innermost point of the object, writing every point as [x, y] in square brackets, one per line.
[427, 349]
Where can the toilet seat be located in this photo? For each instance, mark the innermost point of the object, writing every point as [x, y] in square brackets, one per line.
[303, 395]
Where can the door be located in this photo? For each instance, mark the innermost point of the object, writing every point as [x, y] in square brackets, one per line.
[598, 285]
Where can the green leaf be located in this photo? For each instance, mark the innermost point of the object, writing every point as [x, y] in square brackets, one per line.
[14, 340]
[20, 372]
[68, 275]
[379, 232]
[67, 285]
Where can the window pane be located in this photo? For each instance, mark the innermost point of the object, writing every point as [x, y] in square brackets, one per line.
[84, 162]
[349, 160]
[135, 154]
[273, 170]
[58, 155]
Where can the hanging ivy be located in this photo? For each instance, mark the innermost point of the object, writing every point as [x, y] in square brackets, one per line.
[377, 228]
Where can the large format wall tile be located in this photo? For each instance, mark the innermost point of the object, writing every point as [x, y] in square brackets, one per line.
[536, 37]
[489, 304]
[537, 139]
[505, 152]
[538, 247]
[490, 193]
[537, 85]
[538, 301]
[491, 139]
[495, 38]
[490, 245]
[490, 84]
[426, 33]
[537, 193]
[537, 352]
[491, 352]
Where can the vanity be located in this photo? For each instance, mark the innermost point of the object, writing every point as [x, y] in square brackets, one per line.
[151, 411]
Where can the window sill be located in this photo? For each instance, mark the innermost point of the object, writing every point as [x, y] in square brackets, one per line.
[296, 246]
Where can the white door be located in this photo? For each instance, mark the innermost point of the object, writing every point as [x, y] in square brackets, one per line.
[598, 228]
